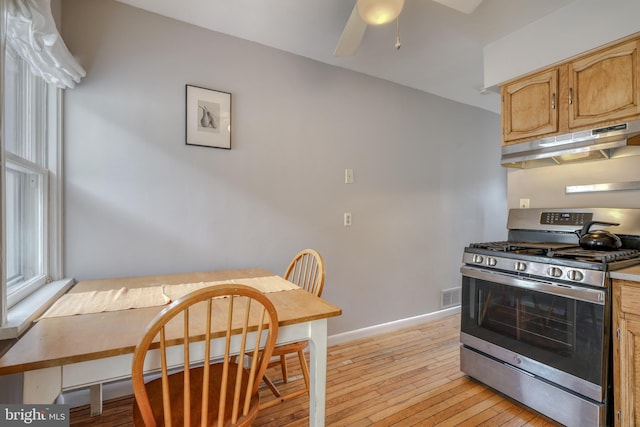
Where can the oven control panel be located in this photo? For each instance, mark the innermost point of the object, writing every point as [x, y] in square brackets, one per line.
[539, 270]
[565, 218]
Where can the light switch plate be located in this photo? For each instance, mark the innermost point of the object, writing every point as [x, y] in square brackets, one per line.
[347, 219]
[348, 176]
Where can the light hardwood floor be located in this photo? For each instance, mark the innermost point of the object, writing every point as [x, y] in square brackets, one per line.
[405, 378]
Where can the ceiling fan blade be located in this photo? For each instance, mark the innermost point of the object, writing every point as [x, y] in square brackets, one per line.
[351, 35]
[465, 6]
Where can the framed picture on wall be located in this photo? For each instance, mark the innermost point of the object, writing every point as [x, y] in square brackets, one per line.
[208, 117]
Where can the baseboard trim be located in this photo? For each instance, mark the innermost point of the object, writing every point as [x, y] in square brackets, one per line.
[390, 326]
[82, 396]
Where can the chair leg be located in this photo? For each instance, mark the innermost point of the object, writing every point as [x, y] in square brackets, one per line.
[304, 368]
[271, 386]
[281, 399]
[283, 364]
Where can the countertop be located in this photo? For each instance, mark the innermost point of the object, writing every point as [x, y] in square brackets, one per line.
[629, 273]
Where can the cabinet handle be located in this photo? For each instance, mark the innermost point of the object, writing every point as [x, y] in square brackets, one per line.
[570, 95]
[553, 101]
[618, 334]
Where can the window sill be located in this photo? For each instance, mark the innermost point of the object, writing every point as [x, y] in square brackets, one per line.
[22, 314]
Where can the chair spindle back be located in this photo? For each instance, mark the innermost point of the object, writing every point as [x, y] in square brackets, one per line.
[213, 325]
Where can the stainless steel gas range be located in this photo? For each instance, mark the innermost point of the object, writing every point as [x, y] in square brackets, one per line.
[536, 311]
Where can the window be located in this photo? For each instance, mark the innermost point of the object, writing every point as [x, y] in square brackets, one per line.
[31, 206]
[26, 178]
[31, 161]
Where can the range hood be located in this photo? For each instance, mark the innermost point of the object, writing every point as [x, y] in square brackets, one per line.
[621, 140]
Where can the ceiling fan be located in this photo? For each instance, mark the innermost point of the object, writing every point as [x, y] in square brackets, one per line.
[378, 12]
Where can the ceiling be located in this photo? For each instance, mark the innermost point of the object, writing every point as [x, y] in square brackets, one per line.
[441, 49]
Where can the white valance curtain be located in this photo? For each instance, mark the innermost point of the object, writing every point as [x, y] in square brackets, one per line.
[32, 32]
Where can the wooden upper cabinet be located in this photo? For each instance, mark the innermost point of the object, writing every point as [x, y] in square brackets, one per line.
[599, 88]
[529, 106]
[604, 86]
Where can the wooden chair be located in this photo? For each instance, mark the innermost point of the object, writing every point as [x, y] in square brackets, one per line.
[307, 271]
[212, 324]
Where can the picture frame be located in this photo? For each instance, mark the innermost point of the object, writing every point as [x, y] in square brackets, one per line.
[208, 117]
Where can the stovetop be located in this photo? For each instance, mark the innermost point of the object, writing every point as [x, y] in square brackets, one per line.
[544, 244]
[559, 250]
[569, 264]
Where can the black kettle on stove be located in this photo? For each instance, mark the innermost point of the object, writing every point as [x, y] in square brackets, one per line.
[598, 240]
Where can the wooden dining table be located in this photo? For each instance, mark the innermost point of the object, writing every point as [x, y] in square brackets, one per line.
[65, 353]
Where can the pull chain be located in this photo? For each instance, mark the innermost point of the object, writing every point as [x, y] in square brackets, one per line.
[398, 44]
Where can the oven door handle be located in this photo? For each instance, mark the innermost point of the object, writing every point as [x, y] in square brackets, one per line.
[596, 296]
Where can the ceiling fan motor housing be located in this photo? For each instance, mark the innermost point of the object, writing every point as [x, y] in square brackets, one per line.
[378, 12]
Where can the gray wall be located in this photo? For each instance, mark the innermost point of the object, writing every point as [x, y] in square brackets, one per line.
[139, 201]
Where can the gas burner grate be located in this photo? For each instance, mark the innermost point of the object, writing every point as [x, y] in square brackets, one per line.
[565, 251]
[523, 247]
[492, 246]
[598, 256]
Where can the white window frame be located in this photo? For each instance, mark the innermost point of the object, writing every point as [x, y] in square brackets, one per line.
[37, 183]
[21, 306]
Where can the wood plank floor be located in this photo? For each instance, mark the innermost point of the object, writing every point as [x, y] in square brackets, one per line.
[405, 378]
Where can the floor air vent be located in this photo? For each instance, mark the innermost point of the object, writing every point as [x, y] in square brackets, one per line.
[450, 297]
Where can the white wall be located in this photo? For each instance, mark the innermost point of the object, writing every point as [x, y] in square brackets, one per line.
[546, 186]
[578, 27]
[571, 30]
[139, 201]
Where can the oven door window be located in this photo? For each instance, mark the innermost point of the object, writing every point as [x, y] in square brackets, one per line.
[557, 331]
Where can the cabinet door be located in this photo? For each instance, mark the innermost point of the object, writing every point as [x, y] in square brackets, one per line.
[529, 106]
[604, 86]
[627, 381]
